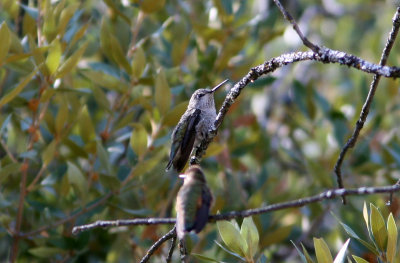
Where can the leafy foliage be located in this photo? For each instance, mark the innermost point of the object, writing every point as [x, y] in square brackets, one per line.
[91, 90]
[386, 235]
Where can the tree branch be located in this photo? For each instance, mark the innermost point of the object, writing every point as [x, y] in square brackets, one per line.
[155, 246]
[365, 109]
[296, 28]
[171, 250]
[123, 222]
[326, 195]
[329, 194]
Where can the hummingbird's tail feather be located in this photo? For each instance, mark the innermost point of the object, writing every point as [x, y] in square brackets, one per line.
[168, 166]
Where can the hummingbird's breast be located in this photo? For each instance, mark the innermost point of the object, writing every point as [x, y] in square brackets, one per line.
[206, 122]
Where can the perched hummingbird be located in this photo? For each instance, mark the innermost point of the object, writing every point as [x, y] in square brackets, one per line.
[193, 126]
[193, 202]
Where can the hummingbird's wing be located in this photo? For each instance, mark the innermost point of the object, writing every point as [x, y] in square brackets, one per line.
[183, 138]
[186, 208]
[203, 209]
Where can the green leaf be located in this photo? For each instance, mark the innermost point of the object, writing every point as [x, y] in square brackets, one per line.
[202, 257]
[5, 123]
[172, 117]
[359, 260]
[54, 56]
[232, 238]
[147, 165]
[303, 258]
[151, 6]
[138, 62]
[230, 252]
[65, 17]
[46, 252]
[365, 215]
[250, 233]
[9, 169]
[110, 182]
[76, 179]
[71, 62]
[341, 256]
[275, 236]
[62, 117]
[309, 259]
[138, 139]
[162, 92]
[5, 41]
[103, 157]
[111, 4]
[179, 48]
[105, 41]
[49, 21]
[65, 186]
[79, 34]
[392, 239]
[352, 234]
[17, 90]
[86, 128]
[119, 55]
[105, 80]
[322, 251]
[48, 153]
[378, 227]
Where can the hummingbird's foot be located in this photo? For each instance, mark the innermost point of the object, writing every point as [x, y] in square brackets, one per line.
[194, 160]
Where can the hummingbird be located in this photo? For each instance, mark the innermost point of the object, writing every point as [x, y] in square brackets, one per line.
[193, 202]
[193, 126]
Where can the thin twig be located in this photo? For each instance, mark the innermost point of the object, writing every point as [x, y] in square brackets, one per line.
[183, 251]
[155, 246]
[296, 28]
[365, 109]
[326, 195]
[171, 250]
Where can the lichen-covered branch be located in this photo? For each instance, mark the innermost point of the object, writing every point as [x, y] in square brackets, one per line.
[326, 56]
[326, 195]
[123, 222]
[330, 194]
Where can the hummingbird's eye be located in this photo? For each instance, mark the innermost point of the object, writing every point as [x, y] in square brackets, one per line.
[201, 95]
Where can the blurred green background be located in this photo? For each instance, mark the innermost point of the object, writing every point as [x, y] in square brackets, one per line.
[90, 92]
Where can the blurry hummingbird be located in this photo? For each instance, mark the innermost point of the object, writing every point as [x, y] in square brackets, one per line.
[193, 202]
[193, 126]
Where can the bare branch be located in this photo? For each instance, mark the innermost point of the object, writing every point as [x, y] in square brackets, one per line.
[296, 28]
[171, 250]
[365, 109]
[155, 246]
[329, 194]
[123, 222]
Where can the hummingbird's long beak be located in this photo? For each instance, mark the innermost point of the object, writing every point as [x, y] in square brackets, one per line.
[219, 85]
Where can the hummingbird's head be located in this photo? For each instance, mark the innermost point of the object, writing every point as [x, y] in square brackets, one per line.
[194, 173]
[204, 98]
